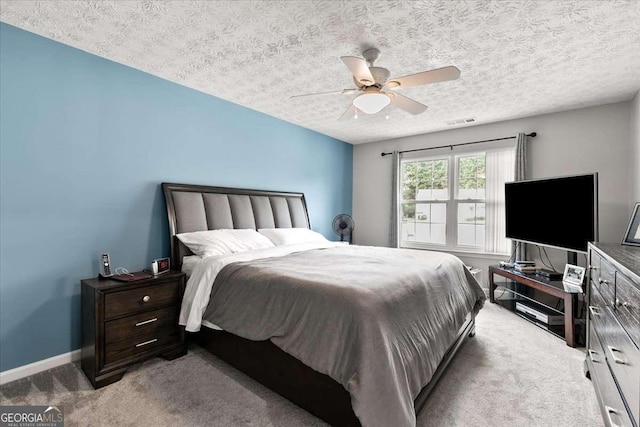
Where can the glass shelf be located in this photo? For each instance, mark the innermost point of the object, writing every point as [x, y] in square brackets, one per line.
[521, 292]
[541, 302]
[556, 330]
[508, 298]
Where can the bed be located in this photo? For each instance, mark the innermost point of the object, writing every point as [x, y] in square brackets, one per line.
[387, 383]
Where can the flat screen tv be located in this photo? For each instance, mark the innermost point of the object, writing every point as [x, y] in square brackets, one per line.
[557, 212]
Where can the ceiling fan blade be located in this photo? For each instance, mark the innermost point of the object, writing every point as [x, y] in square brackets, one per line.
[349, 114]
[343, 91]
[407, 104]
[359, 69]
[425, 77]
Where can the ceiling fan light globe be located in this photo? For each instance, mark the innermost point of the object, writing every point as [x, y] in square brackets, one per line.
[371, 103]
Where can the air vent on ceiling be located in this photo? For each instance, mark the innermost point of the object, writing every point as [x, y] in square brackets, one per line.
[462, 121]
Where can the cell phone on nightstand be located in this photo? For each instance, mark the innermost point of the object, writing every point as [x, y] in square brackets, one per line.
[105, 266]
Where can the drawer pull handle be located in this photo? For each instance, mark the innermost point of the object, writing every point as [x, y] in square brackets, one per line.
[604, 281]
[593, 311]
[622, 303]
[616, 359]
[591, 353]
[147, 321]
[146, 342]
[610, 411]
[146, 298]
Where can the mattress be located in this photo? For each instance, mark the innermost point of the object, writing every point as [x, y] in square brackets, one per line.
[376, 320]
[189, 263]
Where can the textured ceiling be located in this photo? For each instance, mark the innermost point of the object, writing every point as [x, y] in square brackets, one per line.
[517, 58]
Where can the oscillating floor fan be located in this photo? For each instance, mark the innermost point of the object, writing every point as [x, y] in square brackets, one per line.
[343, 225]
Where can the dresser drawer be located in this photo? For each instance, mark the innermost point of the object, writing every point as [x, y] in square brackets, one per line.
[141, 345]
[597, 304]
[622, 356]
[603, 277]
[595, 352]
[138, 299]
[142, 323]
[628, 306]
[614, 331]
[611, 404]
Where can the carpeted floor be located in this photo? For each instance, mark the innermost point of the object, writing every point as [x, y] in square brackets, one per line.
[510, 374]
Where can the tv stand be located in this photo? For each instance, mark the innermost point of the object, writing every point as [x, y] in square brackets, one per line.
[550, 287]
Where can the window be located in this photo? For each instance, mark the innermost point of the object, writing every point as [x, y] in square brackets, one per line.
[470, 184]
[455, 202]
[424, 200]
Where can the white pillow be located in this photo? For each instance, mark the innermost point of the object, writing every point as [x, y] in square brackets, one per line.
[289, 236]
[224, 242]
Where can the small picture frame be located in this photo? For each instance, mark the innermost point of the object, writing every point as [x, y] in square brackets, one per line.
[632, 236]
[573, 277]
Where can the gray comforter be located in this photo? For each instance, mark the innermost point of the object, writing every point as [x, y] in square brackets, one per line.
[377, 320]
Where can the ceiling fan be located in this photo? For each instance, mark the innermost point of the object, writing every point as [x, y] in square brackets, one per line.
[373, 84]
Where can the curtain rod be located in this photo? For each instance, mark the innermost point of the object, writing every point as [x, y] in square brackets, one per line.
[532, 135]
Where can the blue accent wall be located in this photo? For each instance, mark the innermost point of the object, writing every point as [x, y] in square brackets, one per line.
[84, 145]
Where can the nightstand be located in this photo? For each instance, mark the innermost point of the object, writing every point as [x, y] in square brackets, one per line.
[127, 322]
[475, 272]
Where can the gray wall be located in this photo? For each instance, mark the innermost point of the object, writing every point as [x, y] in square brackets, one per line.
[595, 139]
[635, 147]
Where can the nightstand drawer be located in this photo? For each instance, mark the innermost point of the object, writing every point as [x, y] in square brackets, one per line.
[134, 300]
[142, 323]
[141, 345]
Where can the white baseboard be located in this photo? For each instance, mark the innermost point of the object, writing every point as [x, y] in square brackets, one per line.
[35, 367]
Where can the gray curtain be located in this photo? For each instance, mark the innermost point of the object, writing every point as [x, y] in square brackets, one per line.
[521, 175]
[393, 223]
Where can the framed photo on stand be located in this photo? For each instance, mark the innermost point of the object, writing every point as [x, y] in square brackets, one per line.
[632, 236]
[572, 278]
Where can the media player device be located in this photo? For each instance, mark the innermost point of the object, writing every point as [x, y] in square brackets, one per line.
[525, 263]
[540, 313]
[549, 274]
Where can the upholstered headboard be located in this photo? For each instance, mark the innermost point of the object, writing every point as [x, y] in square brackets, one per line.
[199, 208]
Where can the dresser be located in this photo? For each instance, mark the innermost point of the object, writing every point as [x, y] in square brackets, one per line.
[613, 324]
[127, 322]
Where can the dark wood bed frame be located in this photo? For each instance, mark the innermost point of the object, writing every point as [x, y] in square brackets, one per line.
[317, 393]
